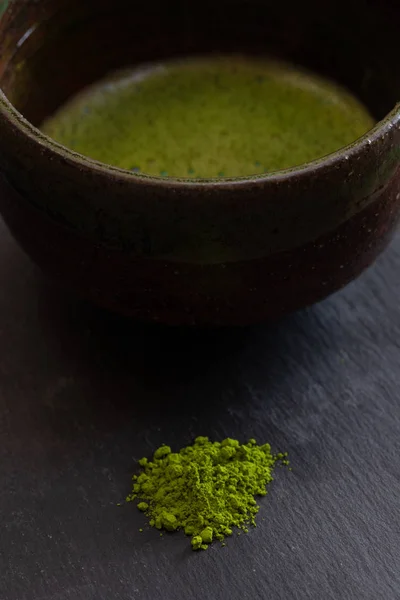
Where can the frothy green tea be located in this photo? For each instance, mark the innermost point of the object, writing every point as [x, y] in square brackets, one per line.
[210, 117]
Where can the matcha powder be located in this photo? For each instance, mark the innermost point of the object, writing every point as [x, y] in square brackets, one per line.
[205, 489]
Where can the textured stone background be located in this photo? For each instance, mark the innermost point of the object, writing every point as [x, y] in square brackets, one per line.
[84, 394]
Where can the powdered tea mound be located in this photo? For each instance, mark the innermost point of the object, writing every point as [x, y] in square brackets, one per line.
[205, 489]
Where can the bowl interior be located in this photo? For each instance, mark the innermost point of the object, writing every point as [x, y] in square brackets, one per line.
[52, 49]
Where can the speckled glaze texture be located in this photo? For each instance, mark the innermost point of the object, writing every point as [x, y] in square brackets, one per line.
[218, 252]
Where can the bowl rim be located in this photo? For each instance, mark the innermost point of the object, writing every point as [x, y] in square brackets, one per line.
[14, 119]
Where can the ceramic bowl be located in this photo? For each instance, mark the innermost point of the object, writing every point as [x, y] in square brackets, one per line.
[197, 252]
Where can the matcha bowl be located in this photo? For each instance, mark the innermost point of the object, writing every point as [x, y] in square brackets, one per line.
[218, 251]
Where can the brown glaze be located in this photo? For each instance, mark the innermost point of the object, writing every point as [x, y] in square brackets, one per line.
[237, 293]
[221, 252]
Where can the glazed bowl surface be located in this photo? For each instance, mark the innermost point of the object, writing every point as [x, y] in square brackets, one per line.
[206, 252]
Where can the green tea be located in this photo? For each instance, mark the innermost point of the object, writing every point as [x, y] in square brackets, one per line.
[210, 117]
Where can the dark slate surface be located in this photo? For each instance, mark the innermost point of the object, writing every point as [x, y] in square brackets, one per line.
[84, 394]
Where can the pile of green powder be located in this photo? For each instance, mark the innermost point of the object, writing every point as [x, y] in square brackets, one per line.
[205, 489]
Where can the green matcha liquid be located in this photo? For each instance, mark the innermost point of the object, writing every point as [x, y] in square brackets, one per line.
[210, 117]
